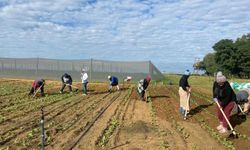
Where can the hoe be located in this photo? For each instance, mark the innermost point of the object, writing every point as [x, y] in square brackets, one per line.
[241, 109]
[233, 134]
[188, 98]
[73, 87]
[37, 90]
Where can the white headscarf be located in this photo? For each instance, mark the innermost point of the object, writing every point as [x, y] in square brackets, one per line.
[220, 78]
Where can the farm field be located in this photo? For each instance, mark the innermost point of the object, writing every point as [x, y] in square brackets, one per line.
[116, 120]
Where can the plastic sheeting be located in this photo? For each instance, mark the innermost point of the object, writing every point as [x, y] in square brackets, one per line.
[239, 86]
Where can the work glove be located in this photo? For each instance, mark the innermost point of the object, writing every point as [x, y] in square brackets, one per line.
[215, 99]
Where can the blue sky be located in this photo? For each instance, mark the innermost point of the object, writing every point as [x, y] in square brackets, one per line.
[170, 33]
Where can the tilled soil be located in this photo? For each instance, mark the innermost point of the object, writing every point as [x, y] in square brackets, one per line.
[116, 120]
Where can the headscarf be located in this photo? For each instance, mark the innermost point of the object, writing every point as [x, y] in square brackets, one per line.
[148, 78]
[187, 72]
[220, 78]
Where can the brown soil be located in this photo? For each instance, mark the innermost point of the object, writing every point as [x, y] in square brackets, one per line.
[117, 120]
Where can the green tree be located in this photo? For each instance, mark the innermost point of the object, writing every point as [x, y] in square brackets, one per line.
[226, 56]
[230, 57]
[199, 65]
[209, 63]
[243, 46]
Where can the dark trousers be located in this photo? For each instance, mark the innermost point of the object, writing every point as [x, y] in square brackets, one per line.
[84, 88]
[63, 86]
[142, 93]
[32, 90]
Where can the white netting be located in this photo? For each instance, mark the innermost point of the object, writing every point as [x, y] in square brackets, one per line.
[97, 69]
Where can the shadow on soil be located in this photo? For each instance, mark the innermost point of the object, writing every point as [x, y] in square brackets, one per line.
[127, 142]
[237, 119]
[138, 127]
[112, 91]
[199, 109]
[159, 96]
[123, 89]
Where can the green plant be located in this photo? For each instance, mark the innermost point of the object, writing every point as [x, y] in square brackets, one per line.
[2, 119]
[195, 147]
[108, 132]
[165, 144]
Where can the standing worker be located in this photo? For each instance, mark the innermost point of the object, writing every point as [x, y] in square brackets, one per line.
[66, 80]
[243, 97]
[184, 93]
[113, 82]
[142, 86]
[84, 77]
[225, 98]
[36, 85]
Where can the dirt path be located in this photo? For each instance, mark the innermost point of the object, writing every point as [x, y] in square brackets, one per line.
[190, 130]
[139, 131]
[90, 139]
[127, 123]
[204, 112]
[68, 139]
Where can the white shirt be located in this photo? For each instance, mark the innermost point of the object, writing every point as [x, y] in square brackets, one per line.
[65, 79]
[84, 77]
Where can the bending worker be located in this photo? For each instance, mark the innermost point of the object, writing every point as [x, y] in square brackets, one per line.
[142, 86]
[225, 97]
[36, 85]
[113, 82]
[66, 80]
[243, 97]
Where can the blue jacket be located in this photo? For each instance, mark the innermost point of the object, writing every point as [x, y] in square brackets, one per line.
[113, 81]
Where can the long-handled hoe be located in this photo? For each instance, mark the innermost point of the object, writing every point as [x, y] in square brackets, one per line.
[73, 87]
[243, 116]
[188, 98]
[37, 90]
[234, 134]
[146, 96]
[240, 109]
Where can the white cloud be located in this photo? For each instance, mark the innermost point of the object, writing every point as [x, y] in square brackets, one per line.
[166, 32]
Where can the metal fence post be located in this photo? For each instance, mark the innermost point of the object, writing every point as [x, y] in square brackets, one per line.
[37, 62]
[91, 68]
[2, 65]
[15, 64]
[151, 69]
[72, 65]
[58, 67]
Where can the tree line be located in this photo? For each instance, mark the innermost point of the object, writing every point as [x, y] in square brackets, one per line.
[230, 57]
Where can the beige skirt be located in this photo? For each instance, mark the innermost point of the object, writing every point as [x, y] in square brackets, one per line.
[184, 102]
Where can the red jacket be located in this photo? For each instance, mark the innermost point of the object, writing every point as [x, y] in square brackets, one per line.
[37, 83]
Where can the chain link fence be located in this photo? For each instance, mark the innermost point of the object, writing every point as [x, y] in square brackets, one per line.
[98, 70]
